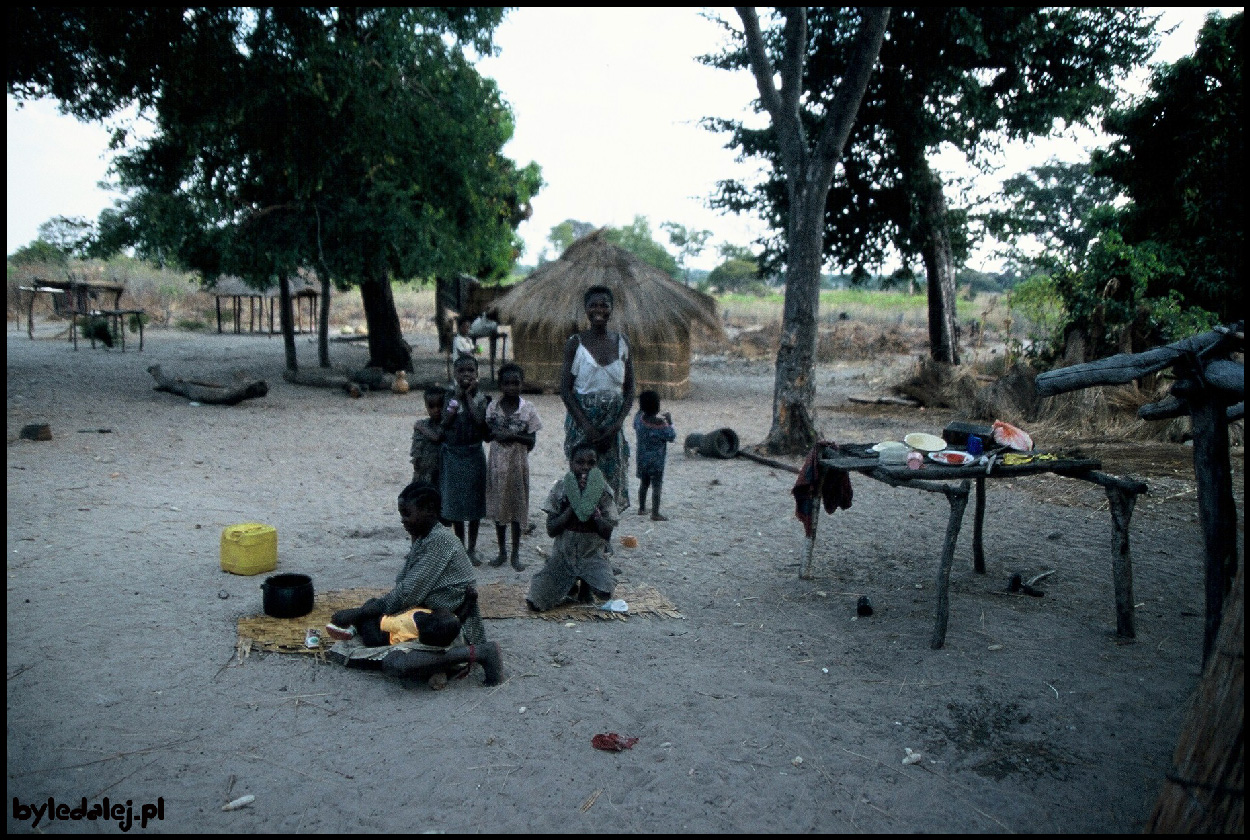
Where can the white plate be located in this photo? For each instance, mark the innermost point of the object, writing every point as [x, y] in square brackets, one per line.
[952, 458]
[924, 442]
[886, 443]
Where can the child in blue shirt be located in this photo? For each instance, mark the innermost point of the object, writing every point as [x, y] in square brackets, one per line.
[654, 432]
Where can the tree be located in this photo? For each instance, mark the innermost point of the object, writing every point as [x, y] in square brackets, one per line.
[636, 238]
[964, 76]
[566, 233]
[69, 235]
[1052, 205]
[808, 129]
[360, 143]
[1167, 262]
[1180, 158]
[688, 242]
[735, 275]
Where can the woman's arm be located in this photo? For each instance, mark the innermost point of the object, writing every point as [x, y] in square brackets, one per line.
[566, 386]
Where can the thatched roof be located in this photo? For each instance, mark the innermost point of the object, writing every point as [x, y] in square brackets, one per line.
[648, 305]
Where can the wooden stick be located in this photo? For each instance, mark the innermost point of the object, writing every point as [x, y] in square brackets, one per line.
[1121, 503]
[958, 499]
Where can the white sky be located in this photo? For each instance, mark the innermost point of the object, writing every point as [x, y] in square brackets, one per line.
[607, 101]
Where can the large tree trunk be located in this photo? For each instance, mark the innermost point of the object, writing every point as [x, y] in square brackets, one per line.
[939, 266]
[808, 169]
[387, 348]
[794, 388]
[323, 324]
[287, 316]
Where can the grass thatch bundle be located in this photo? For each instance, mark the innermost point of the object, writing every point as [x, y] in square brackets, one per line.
[1206, 791]
[656, 313]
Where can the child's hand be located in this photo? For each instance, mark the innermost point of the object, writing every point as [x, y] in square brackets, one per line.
[668, 418]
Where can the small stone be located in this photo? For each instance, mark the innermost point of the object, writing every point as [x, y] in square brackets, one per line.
[223, 595]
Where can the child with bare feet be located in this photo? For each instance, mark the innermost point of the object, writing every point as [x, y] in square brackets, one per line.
[654, 431]
[513, 423]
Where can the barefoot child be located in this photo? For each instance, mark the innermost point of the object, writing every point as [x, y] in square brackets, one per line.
[655, 431]
[581, 513]
[427, 438]
[462, 467]
[513, 426]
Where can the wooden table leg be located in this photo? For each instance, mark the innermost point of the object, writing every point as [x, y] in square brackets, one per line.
[978, 521]
[806, 574]
[958, 499]
[1121, 502]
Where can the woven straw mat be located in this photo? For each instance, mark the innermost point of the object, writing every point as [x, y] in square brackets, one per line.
[495, 600]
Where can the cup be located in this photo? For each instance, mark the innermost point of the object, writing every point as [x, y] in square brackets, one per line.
[914, 459]
[974, 446]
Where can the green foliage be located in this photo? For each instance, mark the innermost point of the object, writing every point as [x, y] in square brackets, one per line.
[566, 233]
[1052, 205]
[362, 141]
[636, 238]
[964, 76]
[1168, 263]
[1036, 301]
[39, 252]
[735, 275]
[688, 242]
[1180, 157]
[191, 324]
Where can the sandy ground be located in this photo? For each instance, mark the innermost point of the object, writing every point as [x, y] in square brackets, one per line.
[770, 707]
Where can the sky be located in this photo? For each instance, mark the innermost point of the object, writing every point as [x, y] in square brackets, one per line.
[607, 102]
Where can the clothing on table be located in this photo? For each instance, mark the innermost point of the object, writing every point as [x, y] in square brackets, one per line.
[435, 574]
[600, 391]
[462, 345]
[653, 436]
[425, 451]
[462, 466]
[508, 464]
[836, 491]
[575, 554]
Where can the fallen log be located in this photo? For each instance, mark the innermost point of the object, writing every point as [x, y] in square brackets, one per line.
[316, 379]
[209, 393]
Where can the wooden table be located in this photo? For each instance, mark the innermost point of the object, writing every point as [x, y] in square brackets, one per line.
[955, 483]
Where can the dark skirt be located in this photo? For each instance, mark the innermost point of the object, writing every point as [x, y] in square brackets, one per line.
[462, 482]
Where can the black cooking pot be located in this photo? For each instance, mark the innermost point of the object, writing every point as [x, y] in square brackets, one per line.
[288, 596]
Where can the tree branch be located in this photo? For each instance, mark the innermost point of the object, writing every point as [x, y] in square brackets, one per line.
[841, 116]
[785, 120]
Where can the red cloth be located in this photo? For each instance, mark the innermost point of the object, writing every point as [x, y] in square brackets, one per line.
[611, 742]
[837, 492]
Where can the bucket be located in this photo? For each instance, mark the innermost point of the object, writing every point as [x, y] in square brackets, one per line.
[249, 548]
[287, 596]
[722, 443]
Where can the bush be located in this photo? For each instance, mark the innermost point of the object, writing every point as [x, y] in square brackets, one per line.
[190, 324]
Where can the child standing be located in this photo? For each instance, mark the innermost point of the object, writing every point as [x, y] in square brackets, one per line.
[513, 426]
[581, 513]
[462, 465]
[655, 431]
[427, 438]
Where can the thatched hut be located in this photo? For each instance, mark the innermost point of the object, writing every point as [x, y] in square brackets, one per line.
[656, 313]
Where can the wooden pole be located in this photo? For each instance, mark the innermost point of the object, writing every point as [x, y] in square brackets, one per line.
[218, 314]
[958, 498]
[1121, 502]
[978, 520]
[1216, 508]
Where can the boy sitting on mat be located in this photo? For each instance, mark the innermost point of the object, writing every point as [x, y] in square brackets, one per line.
[435, 584]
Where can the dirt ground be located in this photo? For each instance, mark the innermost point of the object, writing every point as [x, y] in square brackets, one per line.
[770, 707]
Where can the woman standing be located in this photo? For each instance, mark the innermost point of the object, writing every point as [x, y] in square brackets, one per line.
[597, 386]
